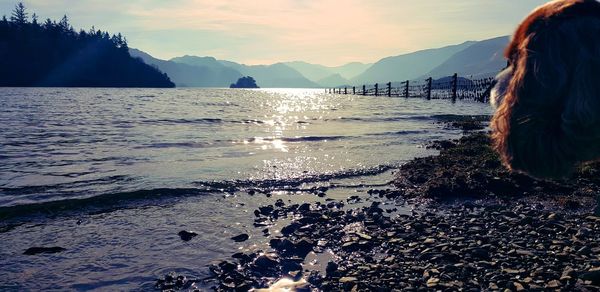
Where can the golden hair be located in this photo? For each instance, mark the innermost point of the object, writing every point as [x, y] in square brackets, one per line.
[548, 120]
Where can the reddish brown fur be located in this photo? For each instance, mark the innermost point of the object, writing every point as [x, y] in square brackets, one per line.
[549, 118]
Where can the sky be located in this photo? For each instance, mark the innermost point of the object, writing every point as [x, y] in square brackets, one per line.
[328, 32]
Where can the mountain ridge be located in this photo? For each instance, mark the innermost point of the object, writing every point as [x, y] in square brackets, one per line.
[469, 59]
[408, 66]
[481, 59]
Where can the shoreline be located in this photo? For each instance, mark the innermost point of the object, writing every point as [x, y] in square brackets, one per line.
[475, 227]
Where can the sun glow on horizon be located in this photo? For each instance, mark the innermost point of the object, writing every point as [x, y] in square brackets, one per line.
[328, 32]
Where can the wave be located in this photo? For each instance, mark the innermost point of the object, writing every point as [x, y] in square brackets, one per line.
[441, 118]
[399, 133]
[455, 118]
[204, 121]
[184, 121]
[290, 139]
[311, 138]
[120, 200]
[176, 145]
[34, 189]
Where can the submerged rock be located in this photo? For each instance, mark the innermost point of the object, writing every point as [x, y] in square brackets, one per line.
[240, 238]
[172, 282]
[187, 235]
[38, 250]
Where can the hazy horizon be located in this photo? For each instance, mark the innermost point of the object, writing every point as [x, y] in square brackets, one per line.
[325, 32]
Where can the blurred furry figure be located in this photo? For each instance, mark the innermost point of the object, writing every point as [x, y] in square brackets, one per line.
[548, 99]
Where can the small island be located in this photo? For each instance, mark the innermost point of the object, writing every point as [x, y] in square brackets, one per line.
[245, 82]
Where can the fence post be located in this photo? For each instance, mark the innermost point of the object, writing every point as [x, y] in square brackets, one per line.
[353, 90]
[346, 90]
[454, 86]
[485, 96]
[406, 93]
[376, 89]
[364, 90]
[389, 89]
[429, 81]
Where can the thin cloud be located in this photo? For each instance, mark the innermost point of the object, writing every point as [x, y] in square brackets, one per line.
[326, 31]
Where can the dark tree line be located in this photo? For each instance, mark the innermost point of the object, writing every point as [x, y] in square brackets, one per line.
[54, 54]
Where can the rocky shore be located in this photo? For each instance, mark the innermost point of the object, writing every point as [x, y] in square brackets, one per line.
[463, 248]
[474, 227]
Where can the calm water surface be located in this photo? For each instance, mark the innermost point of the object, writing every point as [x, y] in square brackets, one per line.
[173, 159]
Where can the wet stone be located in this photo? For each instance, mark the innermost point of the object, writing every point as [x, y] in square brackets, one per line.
[287, 230]
[174, 282]
[266, 262]
[241, 237]
[592, 276]
[266, 211]
[513, 242]
[279, 203]
[187, 235]
[39, 250]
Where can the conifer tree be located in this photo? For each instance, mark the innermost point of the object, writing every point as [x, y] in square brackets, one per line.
[19, 15]
[34, 19]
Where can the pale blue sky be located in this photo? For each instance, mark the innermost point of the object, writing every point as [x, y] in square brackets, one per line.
[329, 32]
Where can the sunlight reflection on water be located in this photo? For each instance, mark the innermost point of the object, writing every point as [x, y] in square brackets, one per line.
[76, 143]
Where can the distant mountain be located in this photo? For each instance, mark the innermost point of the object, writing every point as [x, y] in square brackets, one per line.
[185, 75]
[222, 75]
[408, 66]
[199, 61]
[482, 58]
[352, 70]
[334, 80]
[273, 76]
[315, 72]
[469, 59]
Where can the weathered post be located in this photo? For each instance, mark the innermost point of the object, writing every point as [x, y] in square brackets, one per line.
[454, 86]
[376, 89]
[429, 81]
[364, 90]
[406, 89]
[346, 90]
[389, 89]
[353, 90]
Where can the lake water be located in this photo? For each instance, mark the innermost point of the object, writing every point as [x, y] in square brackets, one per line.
[150, 162]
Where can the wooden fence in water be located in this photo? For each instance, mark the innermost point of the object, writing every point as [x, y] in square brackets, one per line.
[453, 88]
